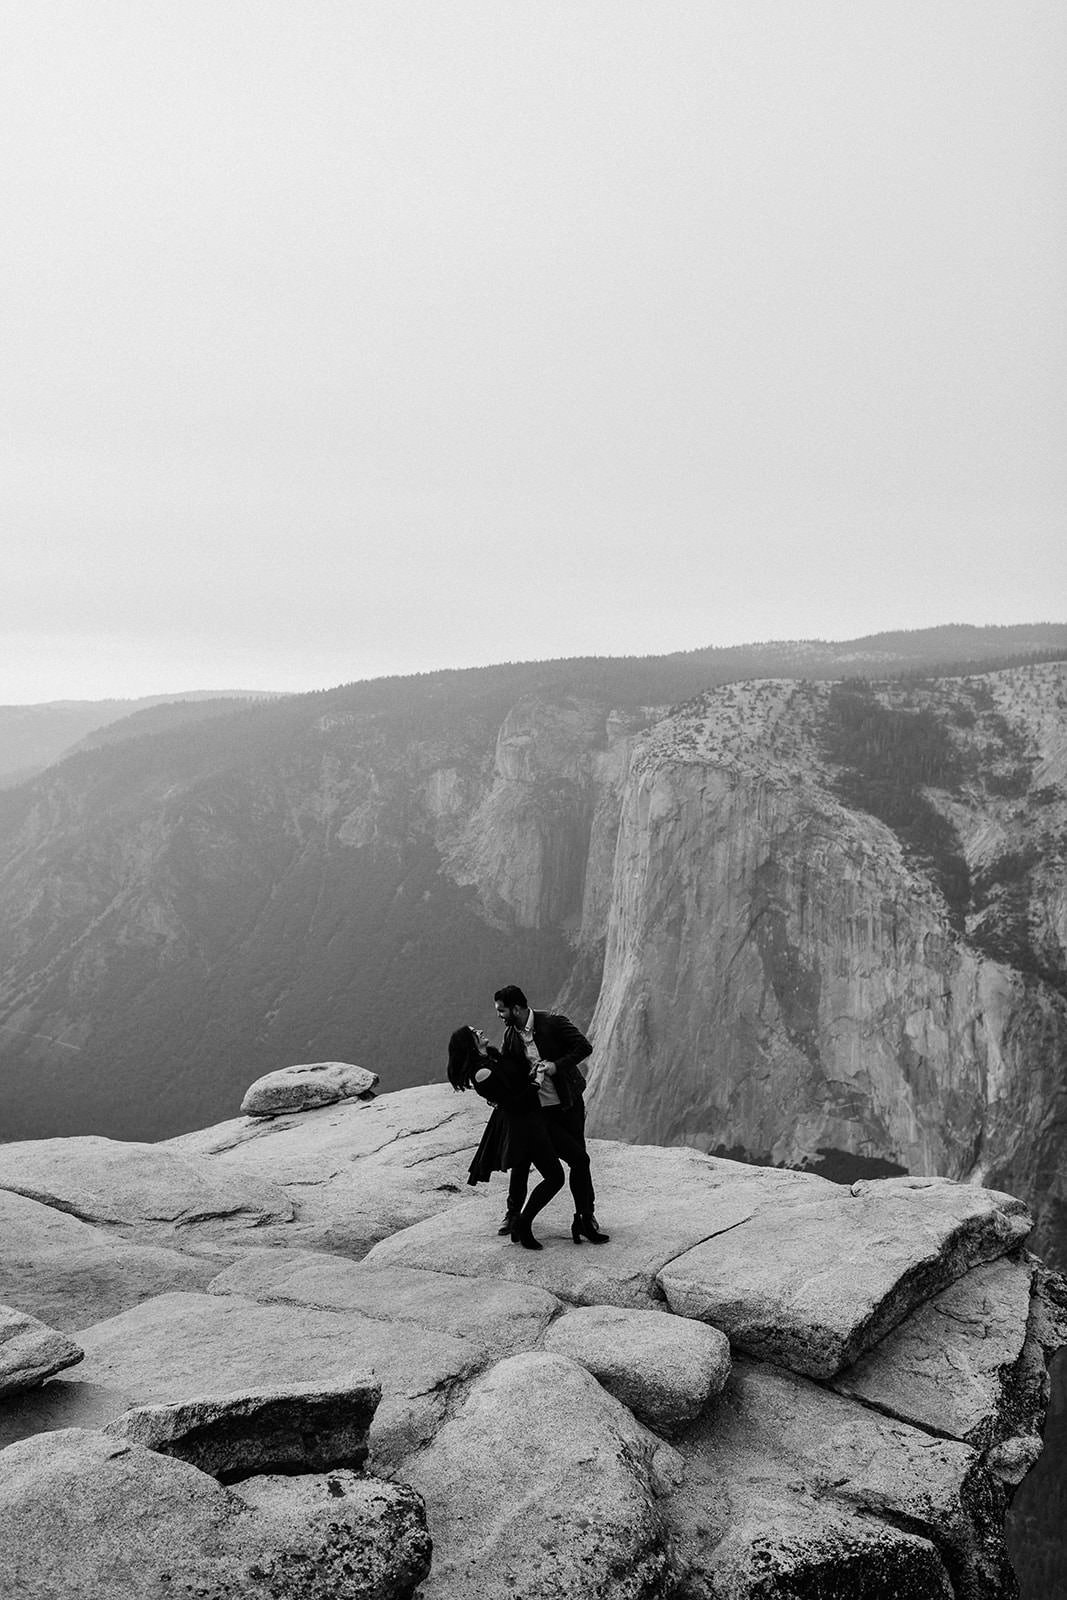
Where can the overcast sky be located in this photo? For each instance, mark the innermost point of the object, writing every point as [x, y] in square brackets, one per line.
[344, 338]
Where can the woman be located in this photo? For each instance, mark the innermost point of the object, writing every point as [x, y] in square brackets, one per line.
[520, 1134]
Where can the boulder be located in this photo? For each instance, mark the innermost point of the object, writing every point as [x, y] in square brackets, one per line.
[307, 1427]
[69, 1273]
[664, 1368]
[378, 1548]
[122, 1520]
[179, 1346]
[306, 1088]
[948, 1366]
[811, 1283]
[501, 1318]
[143, 1188]
[543, 1485]
[31, 1351]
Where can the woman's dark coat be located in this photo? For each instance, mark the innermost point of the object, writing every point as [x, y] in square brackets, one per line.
[514, 1100]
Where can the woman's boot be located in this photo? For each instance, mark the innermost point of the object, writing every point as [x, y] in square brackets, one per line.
[585, 1227]
[521, 1233]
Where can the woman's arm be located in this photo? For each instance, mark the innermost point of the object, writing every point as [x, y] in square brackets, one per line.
[489, 1080]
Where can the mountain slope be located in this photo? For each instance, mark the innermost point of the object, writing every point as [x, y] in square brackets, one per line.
[33, 737]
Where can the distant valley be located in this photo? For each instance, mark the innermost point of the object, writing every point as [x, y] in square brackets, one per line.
[810, 898]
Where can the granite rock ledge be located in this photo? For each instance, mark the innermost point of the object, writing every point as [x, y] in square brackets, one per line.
[882, 1394]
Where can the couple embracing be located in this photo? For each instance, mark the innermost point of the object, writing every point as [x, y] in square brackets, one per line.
[538, 1119]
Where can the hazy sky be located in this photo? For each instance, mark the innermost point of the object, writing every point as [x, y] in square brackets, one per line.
[343, 338]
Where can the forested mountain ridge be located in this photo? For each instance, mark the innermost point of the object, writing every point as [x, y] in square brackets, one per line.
[32, 737]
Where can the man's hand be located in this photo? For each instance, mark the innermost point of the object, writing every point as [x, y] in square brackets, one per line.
[543, 1070]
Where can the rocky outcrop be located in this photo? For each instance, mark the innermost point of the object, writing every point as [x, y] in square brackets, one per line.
[792, 1490]
[574, 1420]
[306, 1087]
[31, 1351]
[353, 1173]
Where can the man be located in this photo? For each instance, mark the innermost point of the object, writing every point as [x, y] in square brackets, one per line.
[552, 1047]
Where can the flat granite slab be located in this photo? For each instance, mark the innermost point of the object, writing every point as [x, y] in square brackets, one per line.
[501, 1318]
[304, 1427]
[655, 1203]
[70, 1273]
[144, 1187]
[811, 1283]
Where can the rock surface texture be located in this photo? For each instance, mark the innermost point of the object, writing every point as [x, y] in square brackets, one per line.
[767, 1385]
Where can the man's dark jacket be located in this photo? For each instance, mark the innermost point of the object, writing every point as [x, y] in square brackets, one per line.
[558, 1040]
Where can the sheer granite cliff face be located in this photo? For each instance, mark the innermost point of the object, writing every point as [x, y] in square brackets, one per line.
[539, 844]
[784, 978]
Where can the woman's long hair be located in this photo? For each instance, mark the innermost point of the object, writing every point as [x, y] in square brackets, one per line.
[462, 1058]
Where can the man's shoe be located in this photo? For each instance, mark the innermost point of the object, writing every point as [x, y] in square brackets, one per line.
[508, 1224]
[587, 1228]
